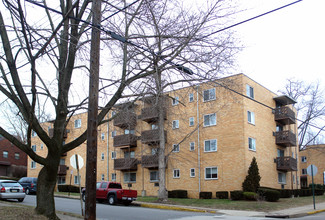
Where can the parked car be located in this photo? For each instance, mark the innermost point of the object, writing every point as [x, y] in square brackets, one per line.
[113, 193]
[29, 184]
[10, 189]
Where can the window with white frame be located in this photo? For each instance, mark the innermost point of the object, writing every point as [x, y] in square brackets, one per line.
[42, 146]
[62, 161]
[304, 171]
[17, 156]
[251, 144]
[61, 180]
[154, 176]
[175, 124]
[113, 113]
[113, 155]
[175, 147]
[34, 148]
[210, 145]
[191, 97]
[282, 178]
[130, 177]
[129, 154]
[211, 173]
[127, 131]
[5, 154]
[103, 177]
[113, 177]
[102, 157]
[209, 120]
[76, 180]
[176, 173]
[192, 146]
[192, 172]
[34, 133]
[113, 133]
[33, 165]
[154, 127]
[209, 94]
[251, 117]
[175, 100]
[191, 121]
[77, 123]
[303, 159]
[102, 136]
[250, 91]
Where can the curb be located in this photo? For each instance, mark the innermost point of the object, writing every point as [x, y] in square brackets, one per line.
[315, 212]
[146, 205]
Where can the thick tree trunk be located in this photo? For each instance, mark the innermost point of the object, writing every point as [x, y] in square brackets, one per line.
[45, 191]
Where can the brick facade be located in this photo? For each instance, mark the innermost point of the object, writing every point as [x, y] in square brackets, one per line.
[210, 123]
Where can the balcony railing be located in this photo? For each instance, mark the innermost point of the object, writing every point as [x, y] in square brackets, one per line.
[125, 140]
[149, 161]
[285, 138]
[286, 164]
[126, 120]
[126, 164]
[151, 137]
[62, 171]
[284, 115]
[151, 114]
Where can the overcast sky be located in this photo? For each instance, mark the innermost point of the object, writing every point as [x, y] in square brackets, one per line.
[285, 44]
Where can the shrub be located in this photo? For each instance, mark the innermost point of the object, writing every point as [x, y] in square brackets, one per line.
[252, 180]
[251, 196]
[306, 192]
[68, 188]
[222, 195]
[285, 193]
[205, 195]
[319, 192]
[271, 195]
[177, 194]
[237, 195]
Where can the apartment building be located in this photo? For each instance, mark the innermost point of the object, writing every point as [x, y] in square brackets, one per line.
[312, 155]
[212, 132]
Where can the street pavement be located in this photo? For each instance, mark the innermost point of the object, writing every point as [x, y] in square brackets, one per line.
[285, 213]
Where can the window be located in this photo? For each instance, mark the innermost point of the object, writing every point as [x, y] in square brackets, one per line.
[211, 173]
[130, 177]
[113, 155]
[113, 113]
[33, 165]
[103, 177]
[154, 151]
[192, 172]
[192, 146]
[61, 180]
[102, 136]
[62, 161]
[113, 176]
[129, 154]
[77, 123]
[252, 144]
[5, 154]
[34, 133]
[250, 91]
[209, 95]
[303, 159]
[251, 117]
[191, 97]
[154, 127]
[113, 133]
[209, 120]
[154, 176]
[76, 180]
[127, 131]
[175, 124]
[304, 171]
[34, 148]
[210, 145]
[102, 157]
[282, 178]
[175, 100]
[191, 121]
[175, 147]
[17, 156]
[176, 173]
[280, 153]
[42, 146]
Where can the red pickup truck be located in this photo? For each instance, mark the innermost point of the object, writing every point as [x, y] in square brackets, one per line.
[113, 193]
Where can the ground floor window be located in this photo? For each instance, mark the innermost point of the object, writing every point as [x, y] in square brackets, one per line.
[176, 173]
[211, 173]
[154, 176]
[192, 172]
[76, 180]
[61, 180]
[282, 178]
[130, 177]
[113, 177]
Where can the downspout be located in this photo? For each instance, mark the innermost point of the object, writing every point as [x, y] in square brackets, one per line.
[198, 136]
[107, 148]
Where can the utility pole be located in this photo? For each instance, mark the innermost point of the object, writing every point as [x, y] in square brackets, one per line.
[91, 166]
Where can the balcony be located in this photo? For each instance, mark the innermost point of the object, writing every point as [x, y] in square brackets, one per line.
[65, 134]
[151, 114]
[150, 161]
[126, 164]
[285, 138]
[125, 120]
[286, 164]
[284, 115]
[151, 137]
[125, 140]
[62, 171]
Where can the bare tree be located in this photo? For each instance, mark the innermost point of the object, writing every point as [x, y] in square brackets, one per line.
[310, 110]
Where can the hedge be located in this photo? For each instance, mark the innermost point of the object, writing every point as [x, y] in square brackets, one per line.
[222, 195]
[205, 195]
[251, 196]
[237, 195]
[68, 188]
[271, 195]
[177, 194]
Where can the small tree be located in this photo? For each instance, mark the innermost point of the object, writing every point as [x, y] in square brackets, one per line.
[252, 180]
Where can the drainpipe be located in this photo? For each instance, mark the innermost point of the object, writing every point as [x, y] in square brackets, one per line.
[107, 148]
[198, 136]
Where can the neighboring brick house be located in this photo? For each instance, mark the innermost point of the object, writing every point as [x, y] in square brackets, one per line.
[13, 161]
[313, 154]
[237, 121]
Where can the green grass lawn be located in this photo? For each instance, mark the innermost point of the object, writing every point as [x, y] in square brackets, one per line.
[240, 205]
